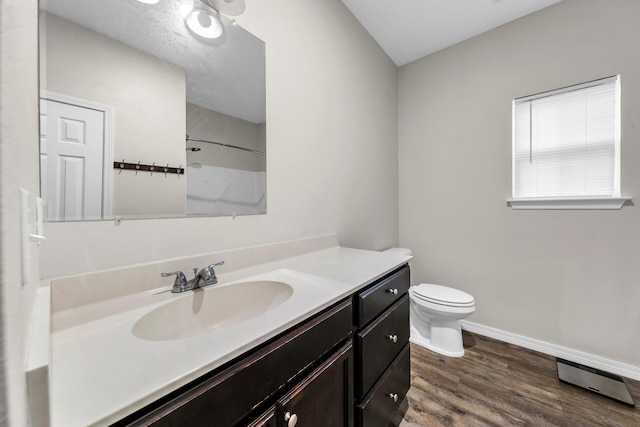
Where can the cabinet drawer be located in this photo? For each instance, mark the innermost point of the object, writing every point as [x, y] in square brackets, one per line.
[223, 398]
[371, 301]
[380, 406]
[379, 343]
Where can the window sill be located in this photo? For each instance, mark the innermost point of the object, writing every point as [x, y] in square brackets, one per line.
[569, 203]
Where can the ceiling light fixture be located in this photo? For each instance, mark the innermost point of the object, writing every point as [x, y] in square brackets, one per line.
[204, 22]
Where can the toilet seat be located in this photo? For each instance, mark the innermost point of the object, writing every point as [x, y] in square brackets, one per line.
[442, 295]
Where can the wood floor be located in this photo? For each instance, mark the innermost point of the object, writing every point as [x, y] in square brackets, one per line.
[499, 384]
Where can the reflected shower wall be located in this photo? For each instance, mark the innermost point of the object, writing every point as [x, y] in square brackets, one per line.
[224, 180]
[206, 124]
[212, 190]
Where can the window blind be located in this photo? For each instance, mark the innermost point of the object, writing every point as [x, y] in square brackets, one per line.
[566, 142]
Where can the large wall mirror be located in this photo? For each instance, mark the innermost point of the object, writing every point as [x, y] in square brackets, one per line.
[144, 115]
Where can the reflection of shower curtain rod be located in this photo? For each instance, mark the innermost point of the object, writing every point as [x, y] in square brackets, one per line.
[225, 145]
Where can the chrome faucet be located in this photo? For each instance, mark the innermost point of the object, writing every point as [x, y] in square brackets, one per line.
[204, 277]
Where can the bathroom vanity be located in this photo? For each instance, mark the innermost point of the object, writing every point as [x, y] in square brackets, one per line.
[331, 351]
[305, 372]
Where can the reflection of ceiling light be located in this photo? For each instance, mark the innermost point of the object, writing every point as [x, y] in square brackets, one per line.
[204, 23]
[149, 1]
[185, 8]
[228, 7]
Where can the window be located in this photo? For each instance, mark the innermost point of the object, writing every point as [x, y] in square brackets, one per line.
[566, 147]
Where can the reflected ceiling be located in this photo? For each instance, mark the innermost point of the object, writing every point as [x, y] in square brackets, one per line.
[205, 61]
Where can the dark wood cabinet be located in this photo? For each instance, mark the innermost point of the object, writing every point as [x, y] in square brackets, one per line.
[268, 419]
[382, 348]
[383, 338]
[381, 404]
[370, 302]
[325, 397]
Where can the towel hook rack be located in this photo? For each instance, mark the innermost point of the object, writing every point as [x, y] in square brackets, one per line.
[139, 166]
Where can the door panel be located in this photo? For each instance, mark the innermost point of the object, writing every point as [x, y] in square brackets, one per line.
[72, 149]
[325, 397]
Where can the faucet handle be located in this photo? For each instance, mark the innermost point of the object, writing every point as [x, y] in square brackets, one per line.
[208, 274]
[180, 284]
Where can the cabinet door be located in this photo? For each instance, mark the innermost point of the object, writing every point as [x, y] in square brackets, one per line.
[325, 397]
[268, 419]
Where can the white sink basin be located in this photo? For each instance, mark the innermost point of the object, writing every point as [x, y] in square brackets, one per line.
[205, 310]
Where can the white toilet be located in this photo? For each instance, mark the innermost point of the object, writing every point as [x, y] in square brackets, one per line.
[435, 314]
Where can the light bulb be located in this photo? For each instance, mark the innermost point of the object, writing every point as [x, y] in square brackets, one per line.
[204, 24]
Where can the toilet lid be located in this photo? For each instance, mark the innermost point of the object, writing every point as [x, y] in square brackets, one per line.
[443, 295]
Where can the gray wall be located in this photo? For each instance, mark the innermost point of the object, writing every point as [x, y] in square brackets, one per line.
[565, 277]
[18, 168]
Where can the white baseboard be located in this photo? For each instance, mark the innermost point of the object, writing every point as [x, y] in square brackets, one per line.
[622, 369]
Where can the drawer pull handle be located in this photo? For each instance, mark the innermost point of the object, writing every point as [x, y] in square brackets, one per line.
[393, 338]
[393, 396]
[392, 291]
[292, 420]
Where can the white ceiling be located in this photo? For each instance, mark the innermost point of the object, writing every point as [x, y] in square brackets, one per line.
[411, 29]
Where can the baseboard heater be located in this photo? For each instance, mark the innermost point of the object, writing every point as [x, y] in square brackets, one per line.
[594, 380]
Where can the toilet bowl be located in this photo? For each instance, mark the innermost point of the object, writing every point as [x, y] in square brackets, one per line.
[435, 314]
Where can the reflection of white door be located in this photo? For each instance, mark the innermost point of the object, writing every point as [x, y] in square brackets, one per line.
[72, 149]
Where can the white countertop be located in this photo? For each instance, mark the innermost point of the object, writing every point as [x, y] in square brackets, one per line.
[101, 372]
